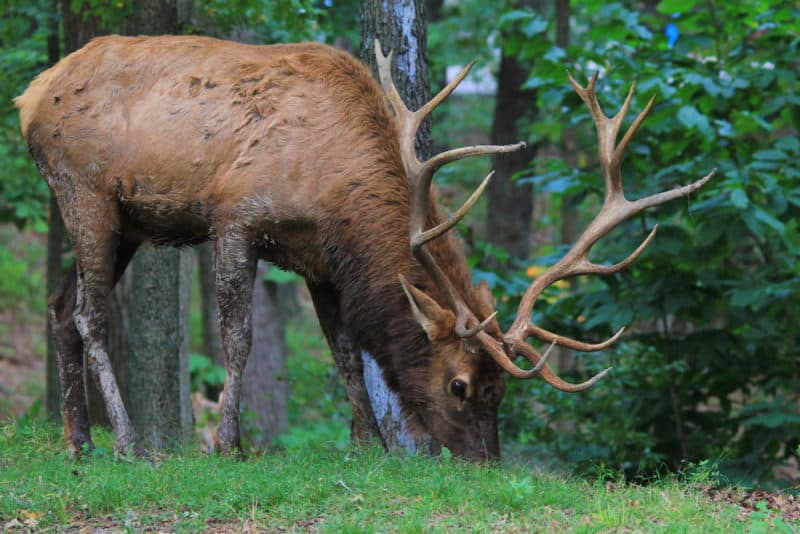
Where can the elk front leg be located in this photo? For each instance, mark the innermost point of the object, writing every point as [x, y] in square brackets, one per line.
[236, 271]
[348, 360]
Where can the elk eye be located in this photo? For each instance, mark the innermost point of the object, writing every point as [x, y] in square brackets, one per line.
[458, 388]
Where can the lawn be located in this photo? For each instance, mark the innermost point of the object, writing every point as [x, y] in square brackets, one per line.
[326, 488]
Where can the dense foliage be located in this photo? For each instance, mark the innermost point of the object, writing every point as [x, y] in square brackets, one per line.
[709, 366]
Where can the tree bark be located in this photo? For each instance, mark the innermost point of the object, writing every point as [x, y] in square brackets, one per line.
[265, 389]
[158, 386]
[212, 341]
[400, 27]
[510, 204]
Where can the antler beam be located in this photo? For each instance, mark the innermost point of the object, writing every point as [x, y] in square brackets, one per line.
[420, 175]
[615, 210]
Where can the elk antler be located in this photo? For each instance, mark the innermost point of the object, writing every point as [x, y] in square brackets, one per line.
[420, 175]
[616, 209]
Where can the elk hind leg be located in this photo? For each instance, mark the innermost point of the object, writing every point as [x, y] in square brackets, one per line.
[96, 245]
[69, 358]
[69, 353]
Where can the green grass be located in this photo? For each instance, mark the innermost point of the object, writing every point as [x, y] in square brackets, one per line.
[332, 490]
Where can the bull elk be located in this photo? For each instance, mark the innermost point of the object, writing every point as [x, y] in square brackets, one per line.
[294, 154]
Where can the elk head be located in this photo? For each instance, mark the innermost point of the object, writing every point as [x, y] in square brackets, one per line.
[469, 350]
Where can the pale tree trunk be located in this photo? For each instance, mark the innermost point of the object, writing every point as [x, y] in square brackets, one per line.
[158, 365]
[510, 204]
[265, 388]
[399, 25]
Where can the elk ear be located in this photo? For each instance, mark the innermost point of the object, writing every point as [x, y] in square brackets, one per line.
[435, 320]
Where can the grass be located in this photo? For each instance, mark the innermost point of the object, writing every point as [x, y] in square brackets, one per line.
[329, 489]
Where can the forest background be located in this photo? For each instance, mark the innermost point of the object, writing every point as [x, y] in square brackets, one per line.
[708, 369]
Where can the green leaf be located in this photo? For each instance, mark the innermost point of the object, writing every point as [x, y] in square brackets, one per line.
[739, 198]
[773, 420]
[514, 15]
[690, 117]
[280, 276]
[535, 27]
[676, 6]
[770, 155]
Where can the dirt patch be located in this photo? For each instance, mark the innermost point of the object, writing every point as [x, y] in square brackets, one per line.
[166, 523]
[785, 503]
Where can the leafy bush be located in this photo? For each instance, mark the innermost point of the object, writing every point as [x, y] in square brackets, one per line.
[709, 367]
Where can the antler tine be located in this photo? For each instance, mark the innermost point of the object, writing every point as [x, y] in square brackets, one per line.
[440, 97]
[385, 75]
[497, 352]
[616, 209]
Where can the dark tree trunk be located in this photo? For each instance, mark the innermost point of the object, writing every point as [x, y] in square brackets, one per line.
[158, 366]
[565, 358]
[55, 243]
[212, 341]
[399, 25]
[158, 369]
[79, 29]
[265, 390]
[510, 204]
[152, 17]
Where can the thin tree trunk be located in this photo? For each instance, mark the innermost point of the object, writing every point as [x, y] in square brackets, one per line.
[399, 25]
[212, 341]
[265, 390]
[158, 367]
[565, 358]
[510, 204]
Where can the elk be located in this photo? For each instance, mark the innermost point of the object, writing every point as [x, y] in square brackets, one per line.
[291, 153]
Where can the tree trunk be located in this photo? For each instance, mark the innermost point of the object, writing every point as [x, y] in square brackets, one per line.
[212, 341]
[399, 25]
[55, 242]
[565, 358]
[79, 28]
[510, 205]
[158, 367]
[265, 389]
[159, 401]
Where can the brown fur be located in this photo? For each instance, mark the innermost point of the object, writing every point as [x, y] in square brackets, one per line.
[286, 152]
